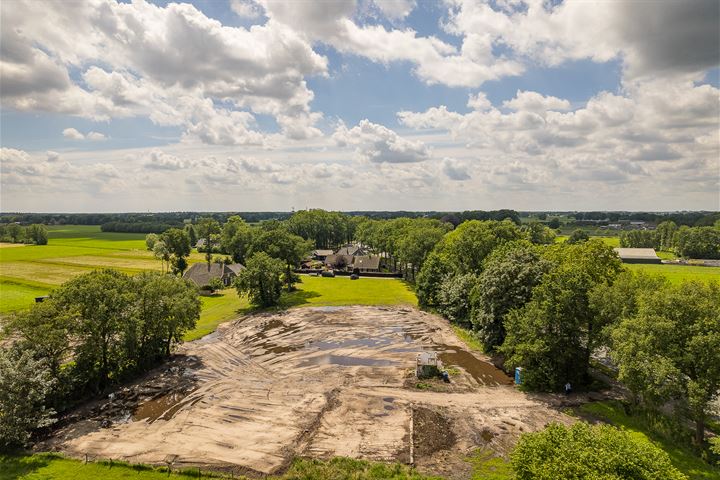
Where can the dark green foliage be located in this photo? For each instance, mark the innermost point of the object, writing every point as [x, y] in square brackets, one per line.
[427, 286]
[37, 234]
[462, 251]
[14, 233]
[553, 335]
[669, 349]
[177, 244]
[110, 324]
[325, 229]
[640, 239]
[666, 235]
[282, 245]
[261, 280]
[454, 297]
[100, 303]
[511, 272]
[578, 236]
[538, 233]
[554, 223]
[236, 238]
[699, 242]
[25, 384]
[583, 451]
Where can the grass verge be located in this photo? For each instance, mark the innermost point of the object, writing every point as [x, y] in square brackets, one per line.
[51, 466]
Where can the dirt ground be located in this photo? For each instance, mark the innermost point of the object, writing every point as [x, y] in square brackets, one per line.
[314, 382]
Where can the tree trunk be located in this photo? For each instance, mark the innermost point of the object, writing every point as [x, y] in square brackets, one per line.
[700, 430]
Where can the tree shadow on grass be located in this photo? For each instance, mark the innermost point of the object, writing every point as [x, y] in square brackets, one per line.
[18, 465]
[296, 298]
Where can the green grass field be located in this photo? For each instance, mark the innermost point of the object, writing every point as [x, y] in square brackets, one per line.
[678, 273]
[53, 467]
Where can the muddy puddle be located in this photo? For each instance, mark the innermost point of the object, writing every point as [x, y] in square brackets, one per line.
[347, 361]
[483, 372]
[163, 408]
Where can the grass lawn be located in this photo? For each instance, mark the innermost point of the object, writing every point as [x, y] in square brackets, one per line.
[678, 273]
[46, 467]
[321, 291]
[217, 309]
[681, 456]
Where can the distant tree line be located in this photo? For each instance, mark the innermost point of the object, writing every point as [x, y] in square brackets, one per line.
[691, 219]
[35, 234]
[138, 227]
[687, 242]
[93, 332]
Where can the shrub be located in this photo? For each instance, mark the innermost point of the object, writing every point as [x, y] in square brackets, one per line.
[585, 451]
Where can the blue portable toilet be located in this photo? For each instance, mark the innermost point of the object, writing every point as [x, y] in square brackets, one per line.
[518, 375]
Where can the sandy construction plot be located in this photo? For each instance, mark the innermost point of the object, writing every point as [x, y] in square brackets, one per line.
[316, 382]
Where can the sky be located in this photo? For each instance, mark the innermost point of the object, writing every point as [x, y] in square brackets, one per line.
[274, 105]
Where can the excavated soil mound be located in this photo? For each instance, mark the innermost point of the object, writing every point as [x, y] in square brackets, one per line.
[315, 382]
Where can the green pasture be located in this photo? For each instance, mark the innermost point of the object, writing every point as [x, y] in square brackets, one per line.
[678, 273]
[32, 270]
[321, 291]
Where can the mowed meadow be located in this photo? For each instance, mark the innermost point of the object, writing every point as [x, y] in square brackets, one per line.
[29, 271]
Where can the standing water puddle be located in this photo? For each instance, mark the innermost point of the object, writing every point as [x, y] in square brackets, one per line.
[483, 372]
[163, 407]
[329, 359]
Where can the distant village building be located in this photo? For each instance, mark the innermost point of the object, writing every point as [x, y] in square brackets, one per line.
[202, 273]
[638, 255]
[321, 254]
[367, 263]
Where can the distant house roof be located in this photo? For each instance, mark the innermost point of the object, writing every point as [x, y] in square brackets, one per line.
[202, 273]
[322, 253]
[351, 250]
[638, 255]
[333, 259]
[368, 262]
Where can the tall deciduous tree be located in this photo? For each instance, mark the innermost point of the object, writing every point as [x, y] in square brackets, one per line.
[670, 350]
[511, 272]
[261, 280]
[553, 335]
[177, 242]
[25, 383]
[37, 233]
[236, 238]
[102, 304]
[283, 245]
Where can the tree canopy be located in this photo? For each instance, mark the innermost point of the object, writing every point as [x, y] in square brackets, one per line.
[669, 349]
[261, 280]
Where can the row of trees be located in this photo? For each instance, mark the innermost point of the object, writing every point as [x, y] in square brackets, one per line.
[98, 329]
[33, 234]
[688, 242]
[548, 308]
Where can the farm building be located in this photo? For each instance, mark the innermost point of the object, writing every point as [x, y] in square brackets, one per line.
[367, 263]
[321, 254]
[351, 250]
[202, 273]
[638, 255]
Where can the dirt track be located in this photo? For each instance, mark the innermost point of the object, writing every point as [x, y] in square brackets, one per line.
[315, 382]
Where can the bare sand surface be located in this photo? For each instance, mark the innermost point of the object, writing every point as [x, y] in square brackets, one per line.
[315, 382]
